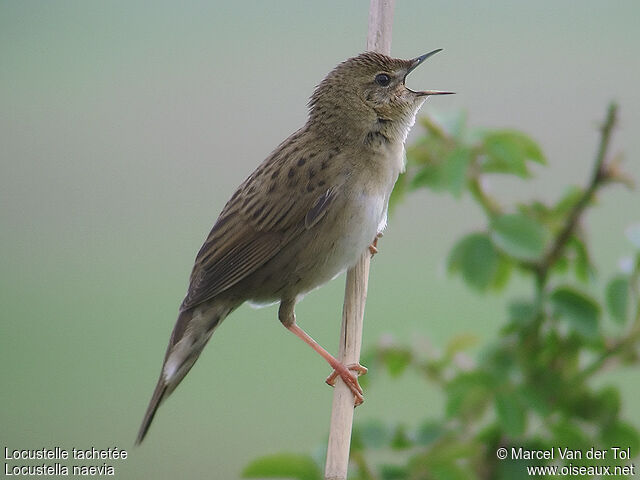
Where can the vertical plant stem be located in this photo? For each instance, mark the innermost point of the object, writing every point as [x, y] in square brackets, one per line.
[355, 295]
[380, 25]
[350, 343]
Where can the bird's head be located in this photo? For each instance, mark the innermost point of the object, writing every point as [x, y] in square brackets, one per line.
[368, 93]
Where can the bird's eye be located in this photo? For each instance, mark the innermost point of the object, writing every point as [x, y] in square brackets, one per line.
[383, 79]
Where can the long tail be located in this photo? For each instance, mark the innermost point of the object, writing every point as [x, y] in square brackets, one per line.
[191, 333]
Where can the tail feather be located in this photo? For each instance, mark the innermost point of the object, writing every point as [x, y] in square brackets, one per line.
[192, 331]
[156, 399]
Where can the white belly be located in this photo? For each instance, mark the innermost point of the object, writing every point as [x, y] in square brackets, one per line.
[361, 226]
[361, 218]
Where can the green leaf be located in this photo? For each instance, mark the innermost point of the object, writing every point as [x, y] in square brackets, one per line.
[431, 176]
[507, 152]
[561, 265]
[622, 435]
[401, 439]
[501, 160]
[429, 149]
[498, 360]
[454, 170]
[372, 434]
[519, 236]
[511, 414]
[449, 471]
[448, 459]
[515, 469]
[617, 294]
[529, 148]
[460, 342]
[449, 173]
[608, 400]
[396, 359]
[569, 200]
[535, 398]
[468, 394]
[568, 434]
[398, 193]
[393, 472]
[581, 311]
[582, 264]
[283, 465]
[429, 432]
[453, 123]
[371, 357]
[477, 259]
[522, 312]
[503, 273]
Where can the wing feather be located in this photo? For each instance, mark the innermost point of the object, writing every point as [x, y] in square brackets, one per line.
[261, 217]
[210, 279]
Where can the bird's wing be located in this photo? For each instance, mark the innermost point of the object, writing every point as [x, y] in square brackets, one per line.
[273, 206]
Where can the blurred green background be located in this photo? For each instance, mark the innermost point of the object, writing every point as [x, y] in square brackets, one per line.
[125, 126]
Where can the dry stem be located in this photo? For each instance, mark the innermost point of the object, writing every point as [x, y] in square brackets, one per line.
[355, 295]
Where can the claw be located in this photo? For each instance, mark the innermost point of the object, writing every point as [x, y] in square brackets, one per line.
[350, 379]
[373, 247]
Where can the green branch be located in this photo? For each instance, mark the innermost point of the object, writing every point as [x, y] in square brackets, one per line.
[488, 203]
[598, 177]
[618, 348]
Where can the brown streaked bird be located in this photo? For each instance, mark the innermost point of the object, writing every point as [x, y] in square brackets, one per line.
[305, 214]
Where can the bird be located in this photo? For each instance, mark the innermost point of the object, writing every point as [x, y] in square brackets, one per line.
[306, 213]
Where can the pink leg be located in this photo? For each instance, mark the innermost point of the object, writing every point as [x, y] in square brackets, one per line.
[349, 378]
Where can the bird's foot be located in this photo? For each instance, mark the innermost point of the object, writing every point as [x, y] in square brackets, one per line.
[373, 247]
[349, 375]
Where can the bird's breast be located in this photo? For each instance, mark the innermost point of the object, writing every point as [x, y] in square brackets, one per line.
[335, 243]
[358, 215]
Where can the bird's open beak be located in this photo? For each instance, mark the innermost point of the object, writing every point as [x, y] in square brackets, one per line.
[417, 61]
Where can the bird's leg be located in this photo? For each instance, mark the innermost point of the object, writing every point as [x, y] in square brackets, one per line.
[288, 319]
[349, 378]
[373, 248]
